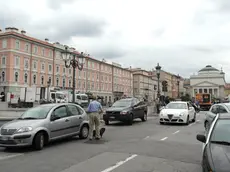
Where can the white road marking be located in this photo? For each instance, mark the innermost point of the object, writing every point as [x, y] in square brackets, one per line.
[176, 132]
[118, 164]
[164, 138]
[10, 156]
[147, 137]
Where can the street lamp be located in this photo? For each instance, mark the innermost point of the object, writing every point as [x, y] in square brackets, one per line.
[178, 86]
[158, 69]
[71, 61]
[48, 86]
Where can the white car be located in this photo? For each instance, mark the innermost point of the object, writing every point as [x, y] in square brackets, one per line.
[178, 112]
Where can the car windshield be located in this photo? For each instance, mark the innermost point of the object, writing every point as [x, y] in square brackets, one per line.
[221, 131]
[84, 97]
[39, 112]
[176, 106]
[122, 103]
[60, 96]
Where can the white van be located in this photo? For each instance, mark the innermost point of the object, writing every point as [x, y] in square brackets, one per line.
[82, 99]
[58, 97]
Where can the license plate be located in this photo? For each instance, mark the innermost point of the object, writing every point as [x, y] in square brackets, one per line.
[112, 117]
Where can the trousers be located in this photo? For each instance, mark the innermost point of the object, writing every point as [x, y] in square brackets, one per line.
[94, 122]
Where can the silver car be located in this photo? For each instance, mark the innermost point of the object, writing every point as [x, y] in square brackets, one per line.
[39, 125]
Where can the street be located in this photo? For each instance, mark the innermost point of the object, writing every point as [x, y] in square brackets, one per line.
[142, 147]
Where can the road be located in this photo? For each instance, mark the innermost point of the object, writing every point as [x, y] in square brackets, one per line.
[142, 147]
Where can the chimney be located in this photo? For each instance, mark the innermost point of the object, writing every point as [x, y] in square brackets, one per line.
[23, 32]
[46, 39]
[14, 29]
[8, 29]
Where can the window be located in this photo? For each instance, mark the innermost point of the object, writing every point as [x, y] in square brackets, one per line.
[74, 110]
[43, 52]
[3, 76]
[4, 43]
[61, 112]
[34, 79]
[222, 110]
[57, 69]
[63, 82]
[214, 109]
[35, 65]
[42, 80]
[57, 81]
[27, 48]
[25, 78]
[3, 60]
[69, 83]
[17, 61]
[17, 44]
[35, 49]
[16, 77]
[64, 70]
[50, 80]
[43, 67]
[221, 131]
[50, 53]
[26, 64]
[50, 68]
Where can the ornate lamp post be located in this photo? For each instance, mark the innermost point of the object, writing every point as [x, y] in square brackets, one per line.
[178, 86]
[71, 61]
[158, 69]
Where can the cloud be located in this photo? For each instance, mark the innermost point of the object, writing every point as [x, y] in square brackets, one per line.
[56, 4]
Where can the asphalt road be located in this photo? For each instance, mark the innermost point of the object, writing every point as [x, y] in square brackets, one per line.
[143, 147]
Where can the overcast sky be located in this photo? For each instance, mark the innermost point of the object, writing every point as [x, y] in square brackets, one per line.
[182, 35]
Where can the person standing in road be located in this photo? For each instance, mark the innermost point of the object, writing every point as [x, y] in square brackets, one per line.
[94, 111]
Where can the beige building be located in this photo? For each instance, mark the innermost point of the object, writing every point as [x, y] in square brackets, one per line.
[144, 85]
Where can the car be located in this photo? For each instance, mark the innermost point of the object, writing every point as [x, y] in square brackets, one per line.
[177, 112]
[126, 110]
[216, 145]
[213, 111]
[45, 123]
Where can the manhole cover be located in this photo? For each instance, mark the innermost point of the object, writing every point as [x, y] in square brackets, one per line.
[96, 141]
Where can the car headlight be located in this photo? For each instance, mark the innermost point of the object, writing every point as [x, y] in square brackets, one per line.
[182, 114]
[123, 112]
[24, 129]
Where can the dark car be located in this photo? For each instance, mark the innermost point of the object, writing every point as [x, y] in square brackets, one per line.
[216, 145]
[126, 110]
[213, 111]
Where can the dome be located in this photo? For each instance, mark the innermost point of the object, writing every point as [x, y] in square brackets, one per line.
[209, 68]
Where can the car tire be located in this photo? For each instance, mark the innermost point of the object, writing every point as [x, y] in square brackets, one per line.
[106, 122]
[84, 132]
[39, 141]
[145, 117]
[187, 121]
[194, 119]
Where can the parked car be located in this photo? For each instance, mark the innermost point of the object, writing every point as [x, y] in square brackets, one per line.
[214, 110]
[216, 145]
[177, 112]
[126, 110]
[42, 124]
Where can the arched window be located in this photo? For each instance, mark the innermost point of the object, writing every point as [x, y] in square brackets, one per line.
[70, 83]
[57, 80]
[16, 76]
[63, 82]
[25, 78]
[3, 76]
[50, 80]
[42, 80]
[34, 79]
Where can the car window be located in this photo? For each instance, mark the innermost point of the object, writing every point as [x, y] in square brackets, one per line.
[61, 112]
[222, 109]
[73, 109]
[221, 131]
[214, 109]
[79, 97]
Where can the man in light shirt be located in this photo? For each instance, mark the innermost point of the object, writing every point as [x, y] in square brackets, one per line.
[94, 111]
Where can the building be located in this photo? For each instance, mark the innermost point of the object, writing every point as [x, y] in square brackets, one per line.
[144, 85]
[29, 62]
[227, 90]
[208, 80]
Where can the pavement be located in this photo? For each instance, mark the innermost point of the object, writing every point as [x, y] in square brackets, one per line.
[142, 147]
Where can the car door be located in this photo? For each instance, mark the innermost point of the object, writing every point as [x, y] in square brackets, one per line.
[59, 127]
[211, 114]
[136, 109]
[75, 118]
[191, 111]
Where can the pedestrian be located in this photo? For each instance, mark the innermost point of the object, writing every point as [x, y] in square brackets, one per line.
[94, 111]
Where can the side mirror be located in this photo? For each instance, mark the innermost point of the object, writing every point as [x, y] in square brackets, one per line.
[201, 138]
[54, 117]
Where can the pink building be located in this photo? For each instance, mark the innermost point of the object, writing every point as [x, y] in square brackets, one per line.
[26, 62]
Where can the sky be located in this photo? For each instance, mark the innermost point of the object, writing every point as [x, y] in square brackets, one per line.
[183, 36]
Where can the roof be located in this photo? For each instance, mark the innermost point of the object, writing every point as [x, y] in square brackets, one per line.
[178, 102]
[208, 68]
[224, 116]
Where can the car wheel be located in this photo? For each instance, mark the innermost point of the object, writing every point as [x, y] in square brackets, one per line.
[106, 122]
[144, 118]
[194, 119]
[39, 141]
[84, 132]
[187, 121]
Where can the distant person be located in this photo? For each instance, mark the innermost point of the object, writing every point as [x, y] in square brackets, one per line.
[94, 111]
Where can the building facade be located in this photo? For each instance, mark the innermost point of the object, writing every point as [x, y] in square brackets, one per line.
[29, 62]
[208, 80]
[144, 85]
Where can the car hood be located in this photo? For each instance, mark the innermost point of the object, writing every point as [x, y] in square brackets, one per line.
[220, 157]
[16, 124]
[117, 109]
[174, 111]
